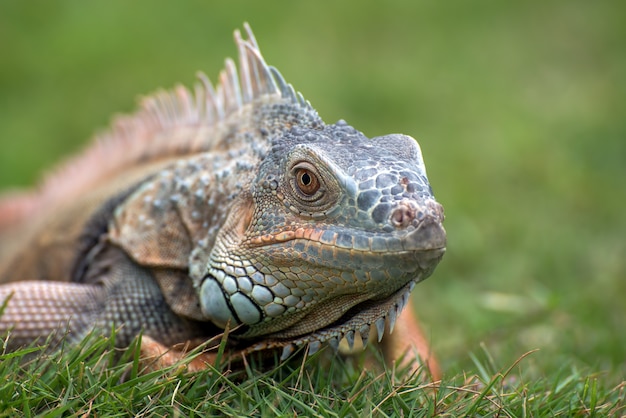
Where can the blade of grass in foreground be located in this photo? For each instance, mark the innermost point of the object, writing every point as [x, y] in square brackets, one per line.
[95, 379]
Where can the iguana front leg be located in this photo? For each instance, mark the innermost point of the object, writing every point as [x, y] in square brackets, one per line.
[35, 310]
[56, 312]
[122, 295]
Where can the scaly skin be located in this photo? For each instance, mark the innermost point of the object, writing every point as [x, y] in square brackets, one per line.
[235, 208]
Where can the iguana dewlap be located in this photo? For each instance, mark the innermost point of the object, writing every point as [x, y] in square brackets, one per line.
[229, 207]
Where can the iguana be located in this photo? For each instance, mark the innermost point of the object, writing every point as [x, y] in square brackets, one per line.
[229, 208]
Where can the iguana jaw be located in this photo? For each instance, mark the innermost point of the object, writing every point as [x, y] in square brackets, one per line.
[359, 319]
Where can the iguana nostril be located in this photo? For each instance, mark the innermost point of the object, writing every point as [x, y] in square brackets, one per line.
[402, 215]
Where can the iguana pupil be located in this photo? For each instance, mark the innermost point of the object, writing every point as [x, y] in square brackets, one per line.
[307, 182]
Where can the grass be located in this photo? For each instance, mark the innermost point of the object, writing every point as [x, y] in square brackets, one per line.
[96, 380]
[519, 109]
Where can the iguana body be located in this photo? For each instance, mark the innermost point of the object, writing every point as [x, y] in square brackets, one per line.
[228, 208]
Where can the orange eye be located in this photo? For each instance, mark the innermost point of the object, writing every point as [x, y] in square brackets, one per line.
[307, 181]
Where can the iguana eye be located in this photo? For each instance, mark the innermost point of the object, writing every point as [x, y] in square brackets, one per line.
[307, 181]
[311, 189]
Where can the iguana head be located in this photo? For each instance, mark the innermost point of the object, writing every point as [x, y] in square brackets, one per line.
[333, 231]
[336, 230]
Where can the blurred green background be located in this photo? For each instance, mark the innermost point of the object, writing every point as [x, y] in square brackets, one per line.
[520, 109]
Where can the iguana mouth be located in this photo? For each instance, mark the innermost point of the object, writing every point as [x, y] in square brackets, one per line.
[359, 319]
